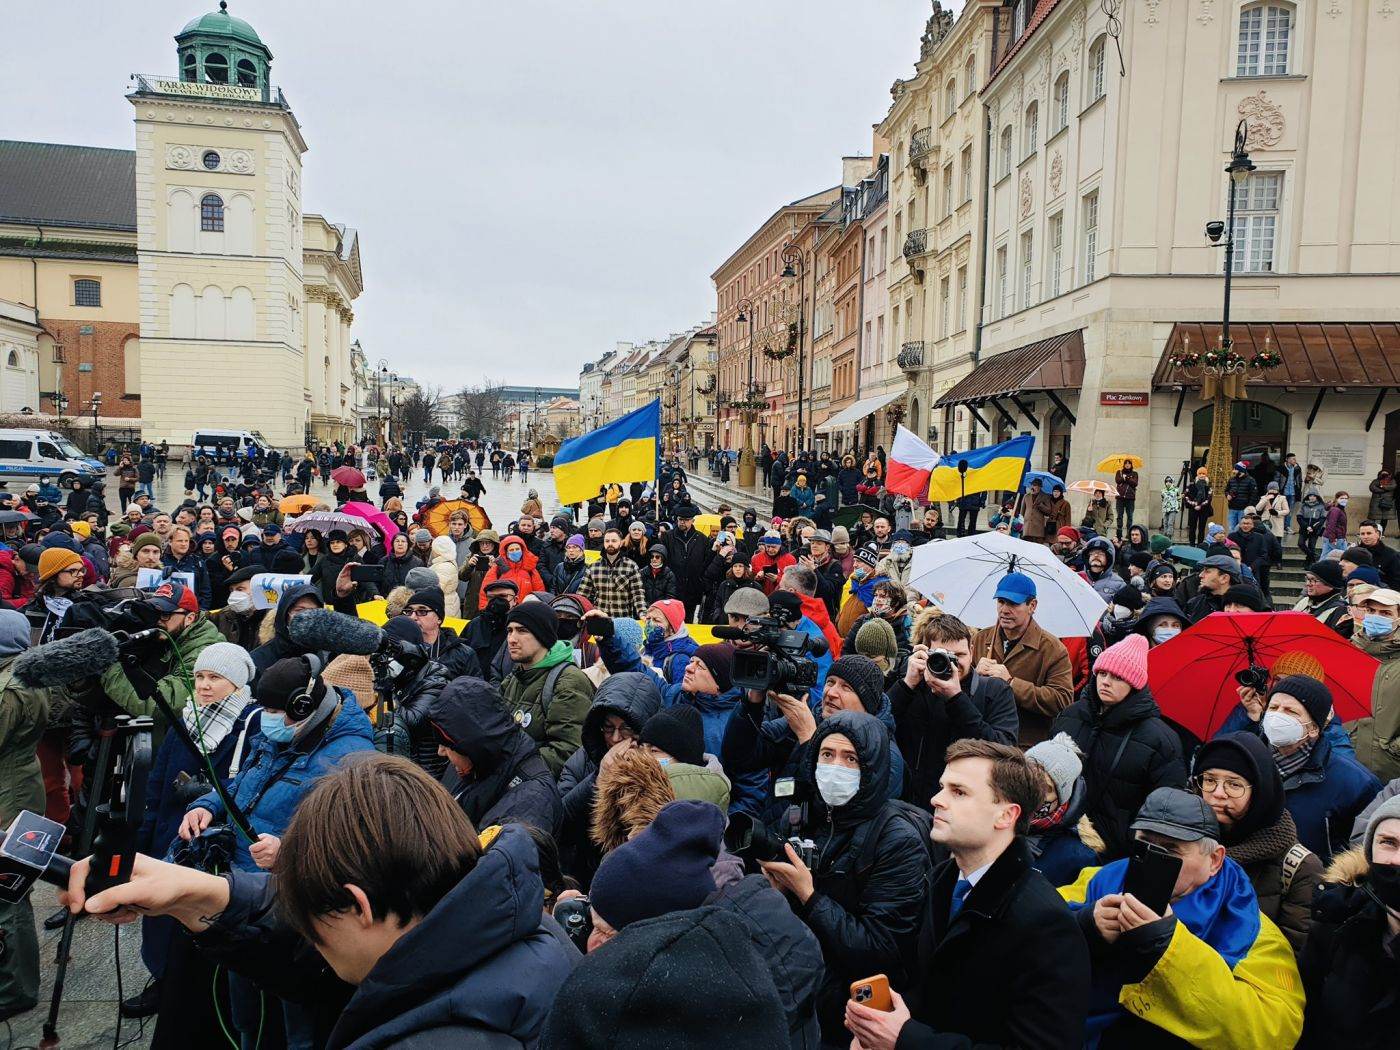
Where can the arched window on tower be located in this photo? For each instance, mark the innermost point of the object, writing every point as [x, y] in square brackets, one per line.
[216, 68]
[211, 213]
[247, 73]
[189, 71]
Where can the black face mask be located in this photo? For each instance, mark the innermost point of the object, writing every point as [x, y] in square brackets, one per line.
[497, 608]
[568, 628]
[1384, 880]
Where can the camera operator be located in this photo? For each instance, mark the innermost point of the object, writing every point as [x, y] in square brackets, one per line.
[942, 699]
[409, 681]
[862, 887]
[479, 964]
[190, 630]
[306, 728]
[754, 742]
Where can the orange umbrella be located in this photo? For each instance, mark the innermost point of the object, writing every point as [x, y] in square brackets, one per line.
[435, 520]
[297, 504]
[1114, 461]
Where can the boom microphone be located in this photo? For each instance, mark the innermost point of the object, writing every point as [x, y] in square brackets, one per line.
[67, 660]
[729, 633]
[322, 629]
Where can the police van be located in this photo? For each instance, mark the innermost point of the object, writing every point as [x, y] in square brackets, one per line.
[225, 446]
[28, 455]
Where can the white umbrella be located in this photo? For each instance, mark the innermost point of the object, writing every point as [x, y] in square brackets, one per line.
[962, 575]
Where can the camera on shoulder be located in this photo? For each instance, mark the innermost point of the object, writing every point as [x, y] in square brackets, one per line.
[780, 659]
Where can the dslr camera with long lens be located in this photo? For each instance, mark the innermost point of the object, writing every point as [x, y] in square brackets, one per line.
[1253, 677]
[780, 659]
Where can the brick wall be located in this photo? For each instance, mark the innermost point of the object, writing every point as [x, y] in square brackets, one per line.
[99, 344]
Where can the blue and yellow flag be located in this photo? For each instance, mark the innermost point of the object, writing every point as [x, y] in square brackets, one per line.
[981, 470]
[624, 450]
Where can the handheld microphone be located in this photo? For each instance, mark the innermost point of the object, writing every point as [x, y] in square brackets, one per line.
[68, 660]
[323, 629]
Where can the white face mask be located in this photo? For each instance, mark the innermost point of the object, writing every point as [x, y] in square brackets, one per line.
[240, 601]
[1281, 729]
[837, 785]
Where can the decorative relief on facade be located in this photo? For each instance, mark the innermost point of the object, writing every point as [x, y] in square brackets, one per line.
[1334, 8]
[960, 255]
[1387, 8]
[1264, 119]
[241, 161]
[1057, 174]
[1150, 11]
[1027, 195]
[1206, 14]
[181, 157]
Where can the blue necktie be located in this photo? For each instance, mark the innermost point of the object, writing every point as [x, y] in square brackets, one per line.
[959, 895]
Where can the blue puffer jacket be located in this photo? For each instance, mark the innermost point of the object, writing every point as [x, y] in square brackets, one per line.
[291, 769]
[1325, 796]
[746, 790]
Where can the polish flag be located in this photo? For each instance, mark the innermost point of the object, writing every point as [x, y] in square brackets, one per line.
[911, 463]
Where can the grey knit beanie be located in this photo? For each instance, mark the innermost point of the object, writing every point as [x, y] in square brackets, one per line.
[1060, 757]
[1387, 810]
[420, 577]
[229, 660]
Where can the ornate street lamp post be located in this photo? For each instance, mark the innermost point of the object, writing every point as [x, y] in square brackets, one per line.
[795, 265]
[748, 416]
[1223, 372]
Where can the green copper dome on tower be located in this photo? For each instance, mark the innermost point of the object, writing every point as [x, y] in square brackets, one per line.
[218, 48]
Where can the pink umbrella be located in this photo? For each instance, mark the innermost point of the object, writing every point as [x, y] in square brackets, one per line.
[375, 517]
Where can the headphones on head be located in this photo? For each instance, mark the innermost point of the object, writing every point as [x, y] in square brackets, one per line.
[301, 704]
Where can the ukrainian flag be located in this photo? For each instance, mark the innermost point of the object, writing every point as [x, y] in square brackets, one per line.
[624, 450]
[997, 467]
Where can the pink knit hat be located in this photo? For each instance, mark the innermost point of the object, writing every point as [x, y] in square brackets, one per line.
[1127, 660]
[673, 610]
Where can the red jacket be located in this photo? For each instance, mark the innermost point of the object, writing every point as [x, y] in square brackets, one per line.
[523, 572]
[815, 610]
[760, 563]
[16, 587]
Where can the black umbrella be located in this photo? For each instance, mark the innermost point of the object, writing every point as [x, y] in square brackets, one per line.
[14, 517]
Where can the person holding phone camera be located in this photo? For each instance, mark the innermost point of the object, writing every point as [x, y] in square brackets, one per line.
[1203, 966]
[942, 699]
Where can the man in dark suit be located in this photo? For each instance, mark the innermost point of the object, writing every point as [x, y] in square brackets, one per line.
[1001, 960]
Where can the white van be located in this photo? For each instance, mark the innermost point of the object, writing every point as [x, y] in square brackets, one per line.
[28, 455]
[223, 446]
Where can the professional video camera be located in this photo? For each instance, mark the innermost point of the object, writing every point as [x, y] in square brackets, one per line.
[777, 659]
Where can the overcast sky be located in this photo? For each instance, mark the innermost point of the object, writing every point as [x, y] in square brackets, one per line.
[533, 180]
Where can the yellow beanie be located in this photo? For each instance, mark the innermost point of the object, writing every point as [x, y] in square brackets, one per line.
[55, 560]
[82, 529]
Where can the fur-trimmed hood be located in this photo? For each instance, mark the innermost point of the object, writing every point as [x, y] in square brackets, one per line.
[629, 794]
[1089, 835]
[1348, 868]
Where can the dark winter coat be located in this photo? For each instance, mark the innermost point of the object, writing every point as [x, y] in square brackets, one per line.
[193, 564]
[509, 782]
[1011, 969]
[658, 586]
[1061, 852]
[635, 696]
[281, 644]
[567, 576]
[848, 478]
[869, 897]
[457, 658]
[1325, 796]
[687, 554]
[925, 725]
[485, 635]
[396, 569]
[1129, 750]
[1349, 979]
[412, 694]
[1241, 491]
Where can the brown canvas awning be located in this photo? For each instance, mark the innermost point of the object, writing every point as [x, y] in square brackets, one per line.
[1056, 363]
[1325, 354]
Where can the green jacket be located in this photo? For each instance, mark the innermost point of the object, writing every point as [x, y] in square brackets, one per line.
[701, 783]
[175, 686]
[1377, 738]
[24, 714]
[558, 731]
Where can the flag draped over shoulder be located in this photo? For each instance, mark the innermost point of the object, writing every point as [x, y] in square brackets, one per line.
[911, 464]
[625, 450]
[981, 470]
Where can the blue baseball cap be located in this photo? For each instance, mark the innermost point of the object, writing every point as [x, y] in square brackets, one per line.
[1016, 587]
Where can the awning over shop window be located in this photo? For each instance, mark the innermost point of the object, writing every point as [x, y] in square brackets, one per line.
[1056, 363]
[856, 412]
[1326, 354]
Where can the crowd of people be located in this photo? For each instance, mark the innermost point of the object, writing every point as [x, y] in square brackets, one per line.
[596, 826]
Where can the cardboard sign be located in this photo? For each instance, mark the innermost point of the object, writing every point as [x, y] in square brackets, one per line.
[269, 586]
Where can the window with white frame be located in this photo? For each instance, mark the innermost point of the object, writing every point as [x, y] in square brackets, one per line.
[945, 304]
[1265, 32]
[1060, 119]
[1030, 130]
[961, 315]
[1256, 221]
[1027, 250]
[1003, 284]
[1090, 211]
[1096, 55]
[948, 189]
[950, 98]
[1005, 151]
[1054, 255]
[967, 173]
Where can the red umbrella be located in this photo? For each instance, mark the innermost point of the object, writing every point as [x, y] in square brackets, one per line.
[1193, 675]
[348, 476]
